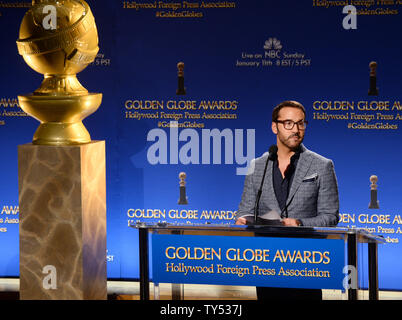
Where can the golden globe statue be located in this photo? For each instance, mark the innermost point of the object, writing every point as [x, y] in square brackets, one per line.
[59, 39]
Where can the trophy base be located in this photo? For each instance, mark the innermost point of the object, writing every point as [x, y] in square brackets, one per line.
[61, 117]
[182, 201]
[62, 198]
[183, 198]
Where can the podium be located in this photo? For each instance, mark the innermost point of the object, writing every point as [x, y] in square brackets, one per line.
[272, 256]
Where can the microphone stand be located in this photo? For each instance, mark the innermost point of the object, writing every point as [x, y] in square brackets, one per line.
[272, 152]
[257, 200]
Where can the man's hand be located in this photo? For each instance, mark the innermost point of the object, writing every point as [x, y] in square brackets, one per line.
[241, 221]
[289, 222]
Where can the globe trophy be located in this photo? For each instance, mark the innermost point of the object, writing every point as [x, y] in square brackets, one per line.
[61, 173]
[374, 203]
[183, 198]
[373, 90]
[59, 50]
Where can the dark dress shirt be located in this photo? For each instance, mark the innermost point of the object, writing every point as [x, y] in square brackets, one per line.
[282, 184]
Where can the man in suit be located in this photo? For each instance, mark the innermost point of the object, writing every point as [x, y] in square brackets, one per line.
[299, 184]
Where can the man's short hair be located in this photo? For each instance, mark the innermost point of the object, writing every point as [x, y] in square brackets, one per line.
[292, 104]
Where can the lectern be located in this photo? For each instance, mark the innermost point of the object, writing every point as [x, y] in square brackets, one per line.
[271, 256]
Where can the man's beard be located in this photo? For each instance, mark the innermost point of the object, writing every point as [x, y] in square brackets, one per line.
[295, 145]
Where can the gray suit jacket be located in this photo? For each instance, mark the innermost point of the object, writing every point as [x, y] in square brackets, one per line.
[313, 196]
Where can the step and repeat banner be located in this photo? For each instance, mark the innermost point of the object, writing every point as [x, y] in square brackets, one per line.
[188, 91]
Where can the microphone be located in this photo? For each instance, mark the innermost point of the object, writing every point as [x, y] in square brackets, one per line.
[273, 155]
[273, 152]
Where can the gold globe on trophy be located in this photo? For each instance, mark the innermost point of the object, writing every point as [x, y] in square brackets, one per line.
[59, 39]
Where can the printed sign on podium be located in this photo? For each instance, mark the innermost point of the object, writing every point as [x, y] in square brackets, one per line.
[248, 261]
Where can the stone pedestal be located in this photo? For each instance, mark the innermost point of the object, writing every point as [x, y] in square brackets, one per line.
[62, 202]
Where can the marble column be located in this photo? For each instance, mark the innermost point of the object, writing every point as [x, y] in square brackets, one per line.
[62, 199]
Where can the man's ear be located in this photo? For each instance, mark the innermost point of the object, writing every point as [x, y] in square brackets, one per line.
[274, 127]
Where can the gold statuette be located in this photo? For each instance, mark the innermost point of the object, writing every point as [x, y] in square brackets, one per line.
[373, 90]
[58, 38]
[183, 198]
[181, 90]
[374, 203]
